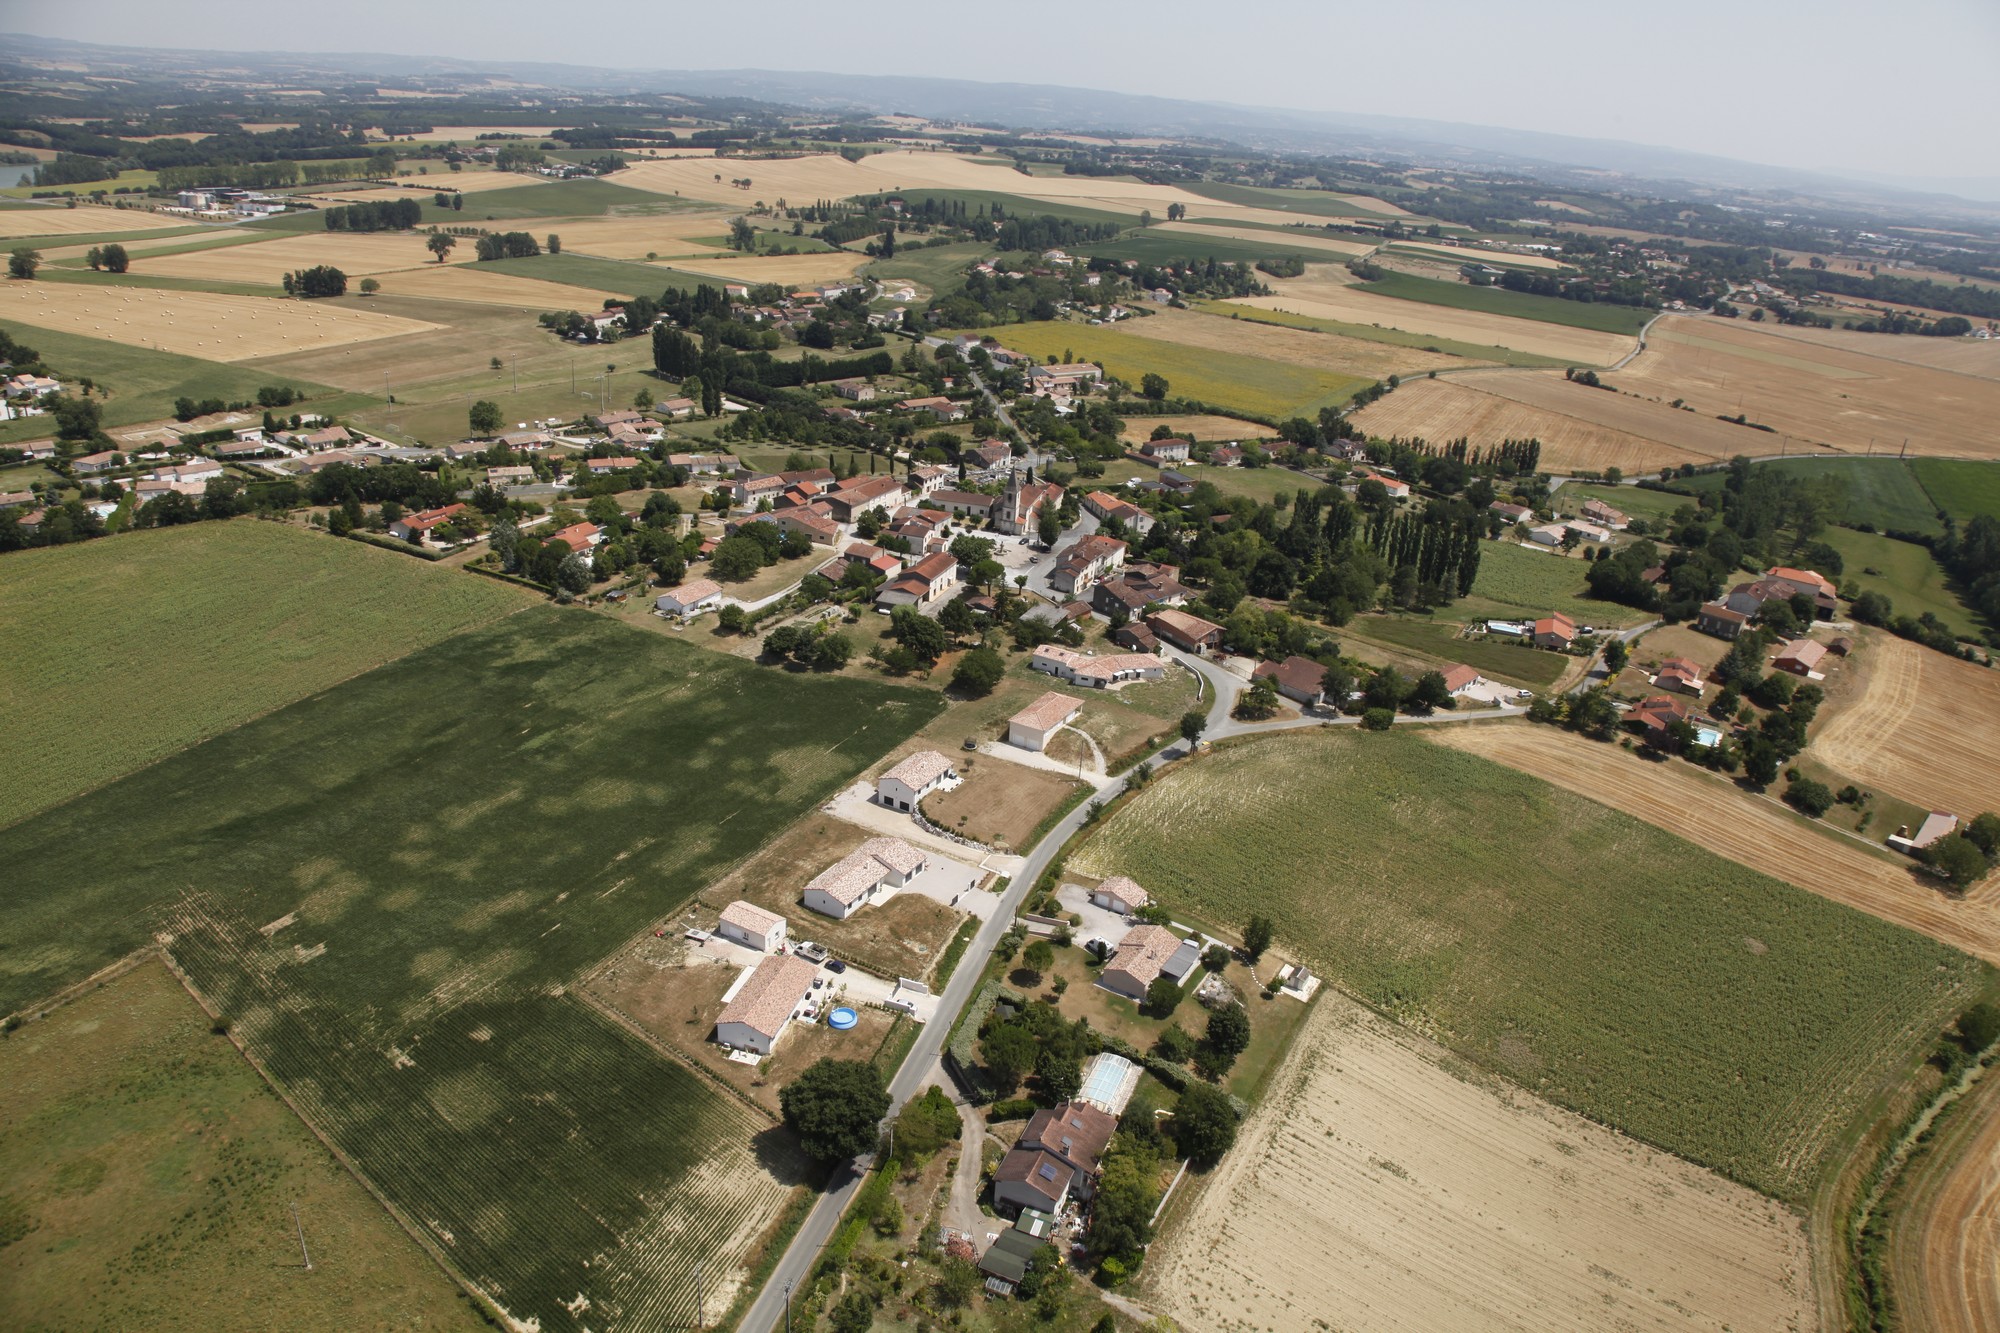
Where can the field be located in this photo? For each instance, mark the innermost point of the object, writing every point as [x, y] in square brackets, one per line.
[1290, 240]
[120, 652]
[1248, 245]
[155, 1174]
[1615, 319]
[82, 219]
[1466, 352]
[1910, 576]
[1962, 356]
[633, 237]
[1926, 728]
[786, 270]
[1961, 489]
[485, 284]
[1322, 296]
[268, 261]
[1837, 397]
[206, 325]
[1316, 203]
[1221, 379]
[1499, 258]
[1943, 1272]
[1378, 1188]
[934, 270]
[999, 803]
[1291, 347]
[1582, 428]
[1522, 580]
[1509, 662]
[608, 277]
[1581, 952]
[1637, 501]
[1201, 427]
[388, 889]
[1762, 834]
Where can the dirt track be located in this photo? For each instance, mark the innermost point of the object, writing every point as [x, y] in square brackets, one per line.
[1375, 1189]
[1927, 729]
[1711, 812]
[1944, 1249]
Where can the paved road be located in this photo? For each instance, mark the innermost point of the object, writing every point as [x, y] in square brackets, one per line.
[1594, 674]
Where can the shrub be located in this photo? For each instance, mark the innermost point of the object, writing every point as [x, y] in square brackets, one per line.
[1378, 719]
[1814, 798]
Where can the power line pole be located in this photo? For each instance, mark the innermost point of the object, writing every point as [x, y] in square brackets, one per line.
[302, 1238]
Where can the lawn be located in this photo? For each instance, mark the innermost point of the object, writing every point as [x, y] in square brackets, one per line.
[1657, 507]
[614, 277]
[1908, 575]
[121, 651]
[1439, 638]
[1886, 493]
[1375, 333]
[155, 1175]
[141, 384]
[389, 888]
[1962, 489]
[1600, 962]
[1520, 305]
[1220, 379]
[1519, 580]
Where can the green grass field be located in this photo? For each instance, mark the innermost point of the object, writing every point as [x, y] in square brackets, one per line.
[1316, 203]
[1159, 247]
[116, 653]
[1373, 333]
[612, 277]
[1258, 483]
[1887, 493]
[1221, 379]
[1962, 489]
[142, 384]
[1598, 961]
[1530, 667]
[155, 1174]
[46, 243]
[139, 277]
[1520, 305]
[581, 198]
[1015, 205]
[1636, 501]
[1516, 581]
[453, 841]
[1909, 577]
[938, 269]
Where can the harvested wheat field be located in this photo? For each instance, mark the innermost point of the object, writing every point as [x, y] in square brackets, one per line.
[635, 237]
[1837, 397]
[787, 270]
[83, 220]
[1963, 356]
[1926, 727]
[1325, 296]
[1292, 347]
[482, 286]
[1944, 1240]
[268, 261]
[1711, 812]
[1375, 1189]
[202, 324]
[1443, 409]
[1201, 427]
[1294, 238]
[1466, 253]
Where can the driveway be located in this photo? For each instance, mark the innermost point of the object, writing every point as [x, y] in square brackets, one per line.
[954, 883]
[1014, 754]
[1099, 923]
[857, 806]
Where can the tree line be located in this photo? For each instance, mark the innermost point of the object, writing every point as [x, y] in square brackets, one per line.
[375, 215]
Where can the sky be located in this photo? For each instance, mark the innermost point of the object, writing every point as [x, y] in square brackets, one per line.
[1826, 85]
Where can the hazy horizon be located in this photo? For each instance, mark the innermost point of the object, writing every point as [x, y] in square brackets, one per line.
[1823, 87]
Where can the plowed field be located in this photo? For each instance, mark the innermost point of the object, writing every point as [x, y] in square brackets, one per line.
[1926, 728]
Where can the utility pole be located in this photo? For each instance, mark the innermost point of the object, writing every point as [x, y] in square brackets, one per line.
[788, 1307]
[302, 1238]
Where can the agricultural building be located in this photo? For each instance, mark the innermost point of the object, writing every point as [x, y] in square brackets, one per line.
[1801, 657]
[1121, 895]
[1190, 634]
[1146, 954]
[1936, 825]
[690, 599]
[1721, 620]
[1032, 726]
[1095, 672]
[752, 927]
[765, 1004]
[869, 874]
[1299, 679]
[916, 777]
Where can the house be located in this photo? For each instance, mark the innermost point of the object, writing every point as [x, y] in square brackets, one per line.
[765, 1004]
[1826, 604]
[703, 465]
[690, 599]
[1749, 598]
[16, 499]
[809, 523]
[92, 464]
[1555, 631]
[1680, 675]
[1063, 380]
[1297, 678]
[1510, 513]
[1032, 726]
[1552, 534]
[1057, 1156]
[582, 538]
[855, 390]
[1656, 714]
[752, 927]
[914, 778]
[868, 875]
[1460, 678]
[31, 386]
[36, 451]
[1801, 657]
[333, 437]
[606, 420]
[600, 467]
[1085, 562]
[419, 526]
[1176, 483]
[1722, 621]
[1161, 452]
[1226, 455]
[1937, 824]
[1136, 637]
[962, 504]
[988, 456]
[927, 582]
[1190, 634]
[885, 563]
[943, 409]
[1398, 490]
[1146, 954]
[1137, 586]
[509, 476]
[1111, 508]
[929, 477]
[1120, 895]
[857, 495]
[1602, 514]
[1095, 672]
[676, 409]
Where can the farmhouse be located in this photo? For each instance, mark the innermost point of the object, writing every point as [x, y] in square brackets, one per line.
[1138, 586]
[1112, 509]
[1598, 512]
[916, 777]
[1801, 657]
[1056, 1156]
[1398, 490]
[752, 927]
[690, 599]
[1121, 895]
[765, 1004]
[1085, 562]
[855, 390]
[1161, 452]
[1459, 679]
[930, 580]
[1556, 631]
[1146, 954]
[1826, 604]
[1510, 513]
[1032, 726]
[1723, 621]
[869, 874]
[1297, 678]
[1656, 714]
[1190, 634]
[1680, 675]
[419, 526]
[1095, 672]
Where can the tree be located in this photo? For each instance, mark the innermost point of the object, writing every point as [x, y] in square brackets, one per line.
[737, 558]
[916, 631]
[1228, 1031]
[742, 236]
[555, 244]
[834, 1108]
[1984, 833]
[484, 417]
[1153, 386]
[732, 619]
[1814, 798]
[853, 1313]
[317, 281]
[1204, 1124]
[1257, 937]
[95, 258]
[1431, 692]
[1048, 526]
[1038, 957]
[1193, 723]
[370, 286]
[1954, 856]
[1060, 1070]
[1616, 655]
[23, 262]
[978, 672]
[1008, 1051]
[1163, 996]
[1215, 957]
[114, 258]
[441, 245]
[831, 652]
[1121, 1219]
[958, 1282]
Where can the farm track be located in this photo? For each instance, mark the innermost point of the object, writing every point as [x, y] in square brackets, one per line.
[1709, 811]
[1927, 728]
[1944, 1246]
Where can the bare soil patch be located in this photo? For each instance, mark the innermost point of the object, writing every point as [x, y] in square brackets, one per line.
[999, 803]
[1376, 1188]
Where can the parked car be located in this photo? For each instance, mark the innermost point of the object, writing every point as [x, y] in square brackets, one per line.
[835, 965]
